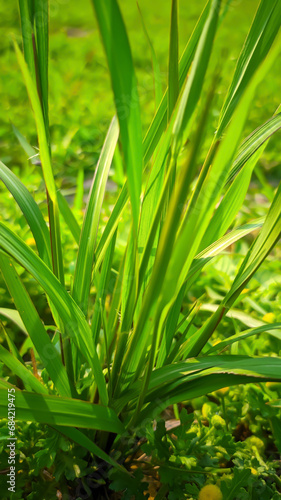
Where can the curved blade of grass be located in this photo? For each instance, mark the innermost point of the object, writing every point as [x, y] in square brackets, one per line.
[13, 316]
[76, 326]
[269, 328]
[196, 388]
[195, 369]
[54, 410]
[11, 345]
[64, 208]
[69, 217]
[41, 30]
[46, 166]
[253, 142]
[173, 71]
[218, 246]
[80, 438]
[27, 35]
[102, 289]
[159, 121]
[195, 80]
[21, 371]
[30, 210]
[232, 201]
[241, 316]
[155, 64]
[199, 262]
[79, 193]
[85, 257]
[30, 151]
[124, 85]
[244, 163]
[196, 377]
[257, 253]
[111, 226]
[260, 38]
[49, 355]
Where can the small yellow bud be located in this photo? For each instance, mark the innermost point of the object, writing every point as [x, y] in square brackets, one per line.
[222, 391]
[30, 242]
[254, 471]
[269, 317]
[210, 492]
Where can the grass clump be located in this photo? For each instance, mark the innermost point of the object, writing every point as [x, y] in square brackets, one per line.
[127, 338]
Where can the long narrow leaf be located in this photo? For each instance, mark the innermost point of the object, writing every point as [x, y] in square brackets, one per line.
[76, 326]
[124, 85]
[68, 412]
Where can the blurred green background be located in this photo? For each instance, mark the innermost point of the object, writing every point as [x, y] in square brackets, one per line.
[81, 103]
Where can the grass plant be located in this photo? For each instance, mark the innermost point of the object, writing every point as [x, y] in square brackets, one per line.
[109, 367]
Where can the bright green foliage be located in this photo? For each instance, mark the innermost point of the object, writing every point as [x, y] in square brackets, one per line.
[125, 344]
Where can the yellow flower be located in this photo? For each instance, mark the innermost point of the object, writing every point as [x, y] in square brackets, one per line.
[222, 391]
[269, 317]
[210, 492]
[254, 471]
[30, 242]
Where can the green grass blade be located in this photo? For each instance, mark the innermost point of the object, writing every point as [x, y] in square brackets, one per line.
[80, 438]
[194, 84]
[155, 64]
[102, 289]
[30, 210]
[261, 247]
[42, 343]
[75, 324]
[124, 85]
[269, 329]
[32, 154]
[11, 345]
[220, 245]
[64, 208]
[173, 72]
[111, 226]
[254, 142]
[27, 36]
[46, 166]
[159, 121]
[69, 217]
[257, 45]
[199, 262]
[54, 410]
[78, 200]
[195, 377]
[13, 316]
[21, 371]
[232, 201]
[85, 257]
[41, 30]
